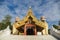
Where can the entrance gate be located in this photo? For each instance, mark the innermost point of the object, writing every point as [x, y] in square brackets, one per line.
[30, 29]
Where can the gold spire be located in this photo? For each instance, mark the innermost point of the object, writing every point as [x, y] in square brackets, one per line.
[29, 11]
[29, 6]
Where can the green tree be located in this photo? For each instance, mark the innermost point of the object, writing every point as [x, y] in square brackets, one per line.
[55, 26]
[5, 22]
[59, 23]
[49, 31]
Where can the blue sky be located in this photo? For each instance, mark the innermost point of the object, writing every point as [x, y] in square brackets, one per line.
[48, 8]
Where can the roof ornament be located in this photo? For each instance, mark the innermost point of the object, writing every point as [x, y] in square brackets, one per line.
[43, 18]
[29, 11]
[17, 19]
[29, 6]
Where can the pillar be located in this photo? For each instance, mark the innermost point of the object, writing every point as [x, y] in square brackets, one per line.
[35, 30]
[25, 30]
[14, 31]
[43, 32]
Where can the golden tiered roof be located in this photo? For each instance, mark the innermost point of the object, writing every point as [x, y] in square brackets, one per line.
[30, 14]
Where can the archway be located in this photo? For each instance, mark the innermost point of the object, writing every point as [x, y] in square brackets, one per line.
[30, 31]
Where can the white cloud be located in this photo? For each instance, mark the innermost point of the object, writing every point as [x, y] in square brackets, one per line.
[52, 13]
[50, 9]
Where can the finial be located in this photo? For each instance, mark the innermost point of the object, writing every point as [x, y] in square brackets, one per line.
[29, 6]
[29, 11]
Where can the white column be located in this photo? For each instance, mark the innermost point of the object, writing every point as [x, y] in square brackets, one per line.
[43, 32]
[15, 31]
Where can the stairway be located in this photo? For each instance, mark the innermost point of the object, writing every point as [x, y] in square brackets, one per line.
[20, 37]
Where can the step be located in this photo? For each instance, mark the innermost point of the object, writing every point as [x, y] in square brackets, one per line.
[22, 37]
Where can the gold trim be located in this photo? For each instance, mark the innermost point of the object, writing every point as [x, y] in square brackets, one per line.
[30, 13]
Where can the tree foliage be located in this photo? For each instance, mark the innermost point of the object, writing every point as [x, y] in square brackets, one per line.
[55, 26]
[5, 22]
[59, 23]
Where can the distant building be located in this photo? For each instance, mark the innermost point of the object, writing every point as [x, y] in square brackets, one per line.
[30, 25]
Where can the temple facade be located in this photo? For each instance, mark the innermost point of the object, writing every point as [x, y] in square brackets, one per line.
[30, 25]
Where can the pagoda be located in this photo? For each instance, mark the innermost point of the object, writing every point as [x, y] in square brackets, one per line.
[30, 25]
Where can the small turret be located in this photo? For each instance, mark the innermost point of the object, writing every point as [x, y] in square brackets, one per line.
[17, 19]
[43, 19]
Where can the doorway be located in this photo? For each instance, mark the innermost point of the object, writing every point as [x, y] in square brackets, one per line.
[30, 31]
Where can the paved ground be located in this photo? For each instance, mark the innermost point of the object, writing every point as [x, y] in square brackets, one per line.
[20, 37]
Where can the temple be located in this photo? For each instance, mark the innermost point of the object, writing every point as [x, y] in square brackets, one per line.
[30, 25]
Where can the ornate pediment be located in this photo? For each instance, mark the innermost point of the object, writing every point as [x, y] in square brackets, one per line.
[30, 14]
